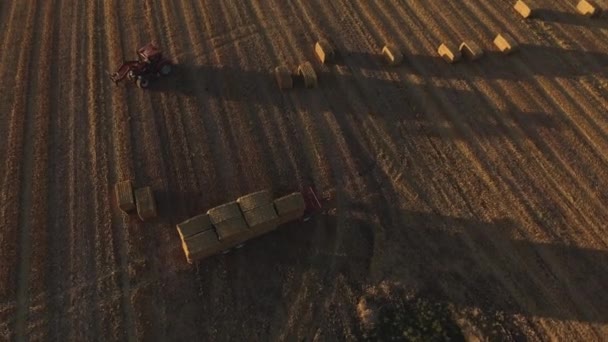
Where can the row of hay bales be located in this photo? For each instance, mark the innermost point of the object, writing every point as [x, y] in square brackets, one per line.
[529, 8]
[233, 223]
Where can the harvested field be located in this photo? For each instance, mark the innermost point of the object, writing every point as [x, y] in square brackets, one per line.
[470, 194]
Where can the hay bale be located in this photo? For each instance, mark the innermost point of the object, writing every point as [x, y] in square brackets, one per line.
[254, 200]
[449, 53]
[290, 207]
[201, 245]
[232, 231]
[283, 76]
[392, 54]
[588, 8]
[193, 226]
[471, 50]
[124, 196]
[309, 75]
[325, 51]
[505, 43]
[146, 205]
[224, 212]
[526, 10]
[262, 219]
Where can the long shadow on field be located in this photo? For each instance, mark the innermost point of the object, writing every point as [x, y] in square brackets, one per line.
[529, 61]
[353, 91]
[571, 18]
[477, 264]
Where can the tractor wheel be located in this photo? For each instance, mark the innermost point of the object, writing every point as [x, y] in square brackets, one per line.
[165, 69]
[143, 82]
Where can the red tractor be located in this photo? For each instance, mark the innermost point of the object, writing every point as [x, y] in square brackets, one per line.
[151, 64]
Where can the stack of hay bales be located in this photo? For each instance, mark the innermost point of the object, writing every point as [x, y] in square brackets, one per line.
[229, 223]
[258, 211]
[199, 238]
[290, 207]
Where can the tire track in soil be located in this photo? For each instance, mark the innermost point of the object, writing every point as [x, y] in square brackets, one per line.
[59, 207]
[580, 104]
[21, 119]
[542, 31]
[106, 283]
[576, 298]
[39, 122]
[449, 21]
[119, 150]
[148, 323]
[9, 201]
[9, 37]
[441, 100]
[199, 106]
[586, 166]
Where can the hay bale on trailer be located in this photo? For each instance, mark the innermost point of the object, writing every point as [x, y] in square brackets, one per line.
[283, 77]
[505, 43]
[290, 207]
[232, 231]
[392, 54]
[325, 51]
[201, 245]
[254, 200]
[194, 225]
[588, 8]
[262, 219]
[525, 9]
[224, 212]
[146, 205]
[449, 53]
[309, 75]
[471, 50]
[229, 223]
[124, 196]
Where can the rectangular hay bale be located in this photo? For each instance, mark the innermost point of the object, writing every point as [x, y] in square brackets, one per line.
[124, 196]
[224, 212]
[145, 203]
[471, 50]
[308, 73]
[262, 219]
[449, 53]
[194, 225]
[505, 43]
[392, 54]
[254, 200]
[588, 8]
[201, 245]
[234, 230]
[526, 10]
[283, 77]
[325, 52]
[290, 207]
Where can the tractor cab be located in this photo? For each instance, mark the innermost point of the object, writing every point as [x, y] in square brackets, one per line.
[149, 53]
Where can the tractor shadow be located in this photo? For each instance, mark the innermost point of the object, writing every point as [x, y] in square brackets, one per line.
[572, 18]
